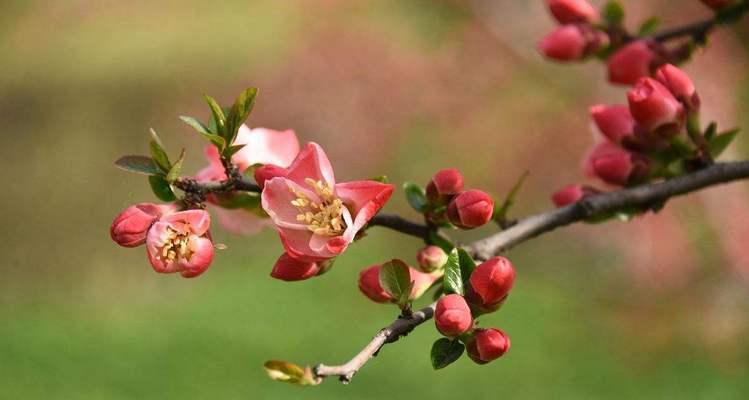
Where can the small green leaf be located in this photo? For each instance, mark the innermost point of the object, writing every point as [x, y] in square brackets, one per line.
[445, 352]
[453, 281]
[416, 196]
[158, 154]
[711, 130]
[233, 149]
[613, 12]
[500, 211]
[720, 143]
[176, 168]
[161, 188]
[218, 115]
[467, 265]
[138, 164]
[239, 112]
[204, 131]
[648, 26]
[395, 279]
[284, 371]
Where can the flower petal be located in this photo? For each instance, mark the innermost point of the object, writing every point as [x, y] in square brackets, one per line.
[240, 222]
[297, 245]
[365, 199]
[202, 256]
[276, 201]
[290, 269]
[311, 162]
[265, 146]
[197, 221]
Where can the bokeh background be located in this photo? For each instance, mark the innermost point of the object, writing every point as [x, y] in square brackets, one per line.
[655, 308]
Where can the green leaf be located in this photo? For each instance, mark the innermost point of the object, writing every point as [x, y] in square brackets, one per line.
[720, 143]
[445, 352]
[233, 149]
[176, 168]
[711, 130]
[239, 112]
[218, 116]
[467, 265]
[244, 200]
[500, 212]
[158, 154]
[416, 196]
[613, 12]
[138, 164]
[395, 279]
[284, 371]
[648, 26]
[453, 282]
[204, 131]
[161, 188]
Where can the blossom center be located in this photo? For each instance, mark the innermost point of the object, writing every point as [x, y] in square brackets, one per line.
[322, 217]
[177, 246]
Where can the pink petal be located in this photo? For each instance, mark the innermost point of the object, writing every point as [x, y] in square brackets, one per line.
[240, 222]
[297, 245]
[311, 162]
[265, 146]
[154, 242]
[365, 199]
[202, 256]
[197, 221]
[276, 201]
[290, 269]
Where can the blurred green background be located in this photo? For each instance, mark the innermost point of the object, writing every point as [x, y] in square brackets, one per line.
[657, 308]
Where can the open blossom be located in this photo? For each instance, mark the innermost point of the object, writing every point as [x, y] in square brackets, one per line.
[487, 345]
[571, 11]
[316, 217]
[369, 284]
[180, 242]
[631, 62]
[130, 227]
[274, 149]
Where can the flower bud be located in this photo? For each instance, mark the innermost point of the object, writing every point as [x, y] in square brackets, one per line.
[571, 42]
[491, 282]
[717, 4]
[470, 209]
[679, 84]
[571, 11]
[267, 172]
[452, 315]
[631, 62]
[615, 168]
[369, 284]
[568, 195]
[431, 258]
[487, 345]
[614, 122]
[444, 184]
[654, 107]
[290, 269]
[130, 227]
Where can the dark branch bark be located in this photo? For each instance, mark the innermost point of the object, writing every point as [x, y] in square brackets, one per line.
[696, 30]
[397, 223]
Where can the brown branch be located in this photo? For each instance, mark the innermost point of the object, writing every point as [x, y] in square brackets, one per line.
[400, 224]
[649, 196]
[696, 30]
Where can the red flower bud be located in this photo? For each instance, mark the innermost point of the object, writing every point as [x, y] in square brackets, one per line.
[487, 345]
[290, 269]
[614, 122]
[444, 184]
[680, 85]
[614, 168]
[452, 315]
[369, 284]
[570, 42]
[491, 282]
[571, 11]
[568, 195]
[130, 227]
[717, 4]
[654, 107]
[470, 209]
[267, 172]
[631, 62]
[431, 258]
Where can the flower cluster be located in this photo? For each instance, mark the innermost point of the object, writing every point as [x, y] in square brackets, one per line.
[577, 37]
[488, 287]
[449, 202]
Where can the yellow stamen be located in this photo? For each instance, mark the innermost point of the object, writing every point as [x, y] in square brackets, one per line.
[323, 217]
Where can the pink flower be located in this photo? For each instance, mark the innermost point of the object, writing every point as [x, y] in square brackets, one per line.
[289, 269]
[487, 345]
[614, 122]
[444, 184]
[631, 63]
[369, 284]
[180, 242]
[274, 149]
[268, 172]
[316, 217]
[653, 106]
[431, 258]
[452, 316]
[491, 282]
[571, 11]
[130, 227]
[470, 209]
[679, 84]
[571, 42]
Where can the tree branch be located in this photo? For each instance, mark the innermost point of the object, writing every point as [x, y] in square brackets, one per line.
[650, 196]
[400, 224]
[696, 30]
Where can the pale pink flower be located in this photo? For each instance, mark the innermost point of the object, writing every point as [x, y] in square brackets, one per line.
[180, 242]
[316, 217]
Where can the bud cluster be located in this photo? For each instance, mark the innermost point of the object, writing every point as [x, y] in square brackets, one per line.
[576, 38]
[487, 289]
[465, 209]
